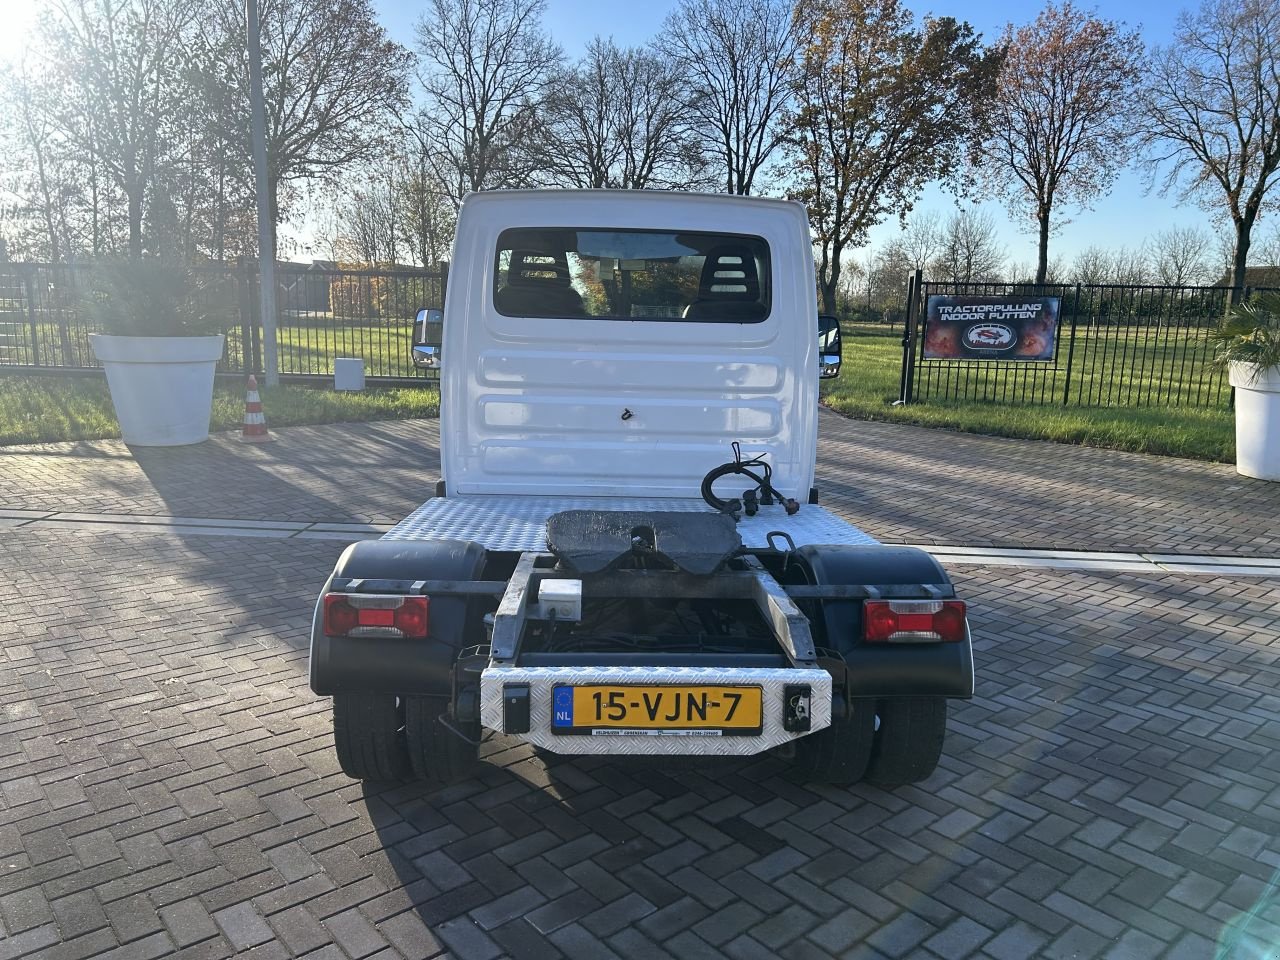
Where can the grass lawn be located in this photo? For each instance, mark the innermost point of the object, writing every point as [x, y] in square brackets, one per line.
[868, 385]
[39, 409]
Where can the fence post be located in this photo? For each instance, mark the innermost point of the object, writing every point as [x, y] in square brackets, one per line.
[58, 301]
[907, 389]
[246, 318]
[1071, 349]
[254, 357]
[28, 288]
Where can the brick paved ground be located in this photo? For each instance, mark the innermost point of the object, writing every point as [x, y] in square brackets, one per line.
[901, 484]
[362, 472]
[168, 787]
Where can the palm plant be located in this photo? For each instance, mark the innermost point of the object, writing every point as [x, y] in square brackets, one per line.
[155, 298]
[1250, 334]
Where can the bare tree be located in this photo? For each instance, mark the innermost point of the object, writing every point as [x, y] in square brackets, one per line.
[1267, 250]
[332, 82]
[921, 240]
[36, 182]
[485, 63]
[1061, 114]
[853, 279]
[882, 108]
[120, 86]
[617, 118]
[1131, 267]
[1180, 256]
[737, 58]
[1092, 267]
[970, 251]
[1211, 113]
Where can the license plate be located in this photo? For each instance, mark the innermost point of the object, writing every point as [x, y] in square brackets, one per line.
[657, 708]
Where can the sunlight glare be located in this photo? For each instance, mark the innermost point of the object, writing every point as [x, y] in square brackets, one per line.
[19, 18]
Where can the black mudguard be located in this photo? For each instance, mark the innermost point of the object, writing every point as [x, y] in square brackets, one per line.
[394, 665]
[879, 670]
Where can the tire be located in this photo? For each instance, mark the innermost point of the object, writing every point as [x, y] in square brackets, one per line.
[839, 754]
[369, 736]
[909, 742]
[435, 752]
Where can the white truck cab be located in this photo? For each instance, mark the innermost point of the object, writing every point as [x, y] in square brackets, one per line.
[624, 339]
[592, 576]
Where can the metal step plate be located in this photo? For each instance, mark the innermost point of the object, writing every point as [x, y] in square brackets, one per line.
[520, 523]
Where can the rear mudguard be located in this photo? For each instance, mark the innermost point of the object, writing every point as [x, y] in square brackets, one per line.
[394, 665]
[879, 670]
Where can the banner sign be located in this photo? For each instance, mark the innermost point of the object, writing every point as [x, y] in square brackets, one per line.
[990, 328]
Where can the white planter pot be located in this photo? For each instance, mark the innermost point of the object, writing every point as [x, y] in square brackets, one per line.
[161, 387]
[1257, 421]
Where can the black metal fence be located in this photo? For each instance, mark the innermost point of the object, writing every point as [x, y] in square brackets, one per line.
[1141, 346]
[321, 313]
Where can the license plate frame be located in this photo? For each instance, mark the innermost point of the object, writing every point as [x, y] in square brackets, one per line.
[644, 706]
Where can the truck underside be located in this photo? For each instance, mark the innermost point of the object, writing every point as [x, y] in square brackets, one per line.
[637, 631]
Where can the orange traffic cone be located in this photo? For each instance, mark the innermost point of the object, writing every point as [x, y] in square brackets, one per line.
[255, 424]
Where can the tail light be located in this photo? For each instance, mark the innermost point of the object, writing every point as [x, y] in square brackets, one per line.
[913, 621]
[375, 615]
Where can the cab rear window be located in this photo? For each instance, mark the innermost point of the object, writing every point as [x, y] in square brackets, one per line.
[616, 274]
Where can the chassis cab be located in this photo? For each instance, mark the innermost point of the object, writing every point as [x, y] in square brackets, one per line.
[626, 553]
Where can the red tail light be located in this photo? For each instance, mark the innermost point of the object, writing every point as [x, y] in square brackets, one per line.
[913, 621]
[375, 615]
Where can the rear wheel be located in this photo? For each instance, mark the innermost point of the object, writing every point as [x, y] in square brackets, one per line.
[369, 736]
[839, 754]
[437, 752]
[908, 742]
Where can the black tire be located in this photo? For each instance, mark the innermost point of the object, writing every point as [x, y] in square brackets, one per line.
[839, 754]
[436, 752]
[909, 742]
[369, 736]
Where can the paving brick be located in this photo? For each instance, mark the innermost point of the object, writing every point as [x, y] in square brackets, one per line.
[901, 935]
[724, 925]
[671, 919]
[1110, 789]
[133, 918]
[410, 936]
[1076, 942]
[1016, 943]
[356, 935]
[612, 917]
[958, 939]
[522, 942]
[465, 939]
[518, 903]
[242, 926]
[843, 930]
[299, 930]
[578, 944]
[188, 922]
[24, 910]
[78, 914]
[563, 910]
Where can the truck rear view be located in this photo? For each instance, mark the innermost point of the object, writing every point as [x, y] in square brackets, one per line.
[626, 554]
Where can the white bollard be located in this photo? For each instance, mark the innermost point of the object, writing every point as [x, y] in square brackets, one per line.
[348, 373]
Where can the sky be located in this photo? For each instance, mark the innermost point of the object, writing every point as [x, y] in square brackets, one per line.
[1129, 214]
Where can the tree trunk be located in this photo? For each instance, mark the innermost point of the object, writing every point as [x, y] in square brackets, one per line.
[135, 223]
[1244, 229]
[1042, 261]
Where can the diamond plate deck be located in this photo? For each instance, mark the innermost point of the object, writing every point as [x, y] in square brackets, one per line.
[520, 523]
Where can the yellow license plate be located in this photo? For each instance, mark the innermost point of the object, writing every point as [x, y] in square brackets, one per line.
[657, 707]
